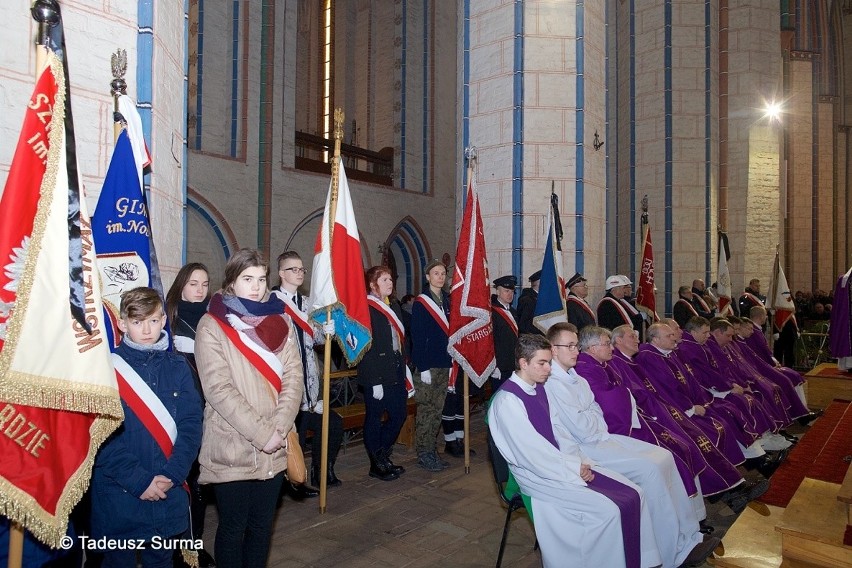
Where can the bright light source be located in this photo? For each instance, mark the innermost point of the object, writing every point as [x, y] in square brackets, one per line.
[773, 111]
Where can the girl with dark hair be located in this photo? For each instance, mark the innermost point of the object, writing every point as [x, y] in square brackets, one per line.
[186, 302]
[382, 373]
[252, 378]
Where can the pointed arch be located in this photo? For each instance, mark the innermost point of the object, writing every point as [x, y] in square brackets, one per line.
[310, 222]
[214, 218]
[411, 252]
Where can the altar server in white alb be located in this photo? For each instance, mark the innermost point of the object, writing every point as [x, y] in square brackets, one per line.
[675, 516]
[584, 514]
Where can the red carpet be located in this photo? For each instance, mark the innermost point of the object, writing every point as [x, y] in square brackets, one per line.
[818, 455]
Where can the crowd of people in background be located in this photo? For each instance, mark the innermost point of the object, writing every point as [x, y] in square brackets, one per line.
[677, 409]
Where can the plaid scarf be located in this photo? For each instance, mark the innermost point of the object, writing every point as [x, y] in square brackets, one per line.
[263, 322]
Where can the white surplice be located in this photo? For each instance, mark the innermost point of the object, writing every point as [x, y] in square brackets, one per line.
[575, 525]
[651, 467]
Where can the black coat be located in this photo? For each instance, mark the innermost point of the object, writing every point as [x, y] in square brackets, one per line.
[381, 365]
[505, 340]
[526, 311]
[577, 314]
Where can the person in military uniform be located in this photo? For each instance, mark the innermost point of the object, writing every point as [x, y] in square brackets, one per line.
[614, 310]
[526, 305]
[580, 313]
[505, 322]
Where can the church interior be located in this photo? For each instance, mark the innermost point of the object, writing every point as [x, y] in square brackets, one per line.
[708, 117]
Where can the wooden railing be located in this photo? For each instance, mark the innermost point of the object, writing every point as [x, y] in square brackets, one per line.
[361, 164]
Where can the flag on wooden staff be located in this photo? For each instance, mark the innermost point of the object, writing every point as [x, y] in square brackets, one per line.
[337, 279]
[122, 230]
[782, 303]
[550, 304]
[723, 280]
[471, 337]
[58, 388]
[645, 291]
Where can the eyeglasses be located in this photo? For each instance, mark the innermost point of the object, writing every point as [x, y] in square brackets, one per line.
[296, 270]
[605, 344]
[570, 346]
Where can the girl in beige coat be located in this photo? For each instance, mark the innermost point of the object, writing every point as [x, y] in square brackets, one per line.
[251, 374]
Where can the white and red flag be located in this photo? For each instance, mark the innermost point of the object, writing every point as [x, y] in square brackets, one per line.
[645, 291]
[471, 335]
[723, 280]
[57, 385]
[337, 280]
[782, 300]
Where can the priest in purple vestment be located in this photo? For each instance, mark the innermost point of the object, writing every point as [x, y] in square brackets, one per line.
[584, 514]
[694, 352]
[717, 474]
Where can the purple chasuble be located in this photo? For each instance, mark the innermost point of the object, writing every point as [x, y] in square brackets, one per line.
[680, 435]
[840, 329]
[626, 498]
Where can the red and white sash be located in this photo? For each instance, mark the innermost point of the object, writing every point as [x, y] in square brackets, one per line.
[631, 309]
[435, 311]
[397, 326]
[299, 317]
[701, 301]
[506, 315]
[583, 304]
[146, 405]
[688, 304]
[755, 301]
[619, 306]
[261, 359]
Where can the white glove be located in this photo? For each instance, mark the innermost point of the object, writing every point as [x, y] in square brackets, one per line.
[184, 344]
[496, 374]
[776, 336]
[378, 392]
[426, 378]
[328, 327]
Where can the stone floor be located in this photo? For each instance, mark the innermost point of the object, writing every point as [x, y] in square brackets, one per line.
[421, 520]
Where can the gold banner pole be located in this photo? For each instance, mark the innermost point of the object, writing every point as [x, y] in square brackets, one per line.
[118, 87]
[46, 16]
[326, 385]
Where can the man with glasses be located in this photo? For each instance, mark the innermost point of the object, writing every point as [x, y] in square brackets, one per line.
[675, 516]
[585, 514]
[580, 313]
[292, 275]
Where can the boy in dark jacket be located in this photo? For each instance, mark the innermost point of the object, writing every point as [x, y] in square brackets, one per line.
[139, 499]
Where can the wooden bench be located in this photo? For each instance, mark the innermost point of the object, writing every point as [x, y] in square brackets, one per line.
[353, 419]
[813, 526]
[845, 495]
[825, 383]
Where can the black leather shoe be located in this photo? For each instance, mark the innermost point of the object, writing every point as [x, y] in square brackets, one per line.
[461, 445]
[770, 464]
[205, 560]
[705, 528]
[788, 436]
[454, 449]
[300, 491]
[809, 417]
[380, 470]
[384, 455]
[701, 552]
[331, 478]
